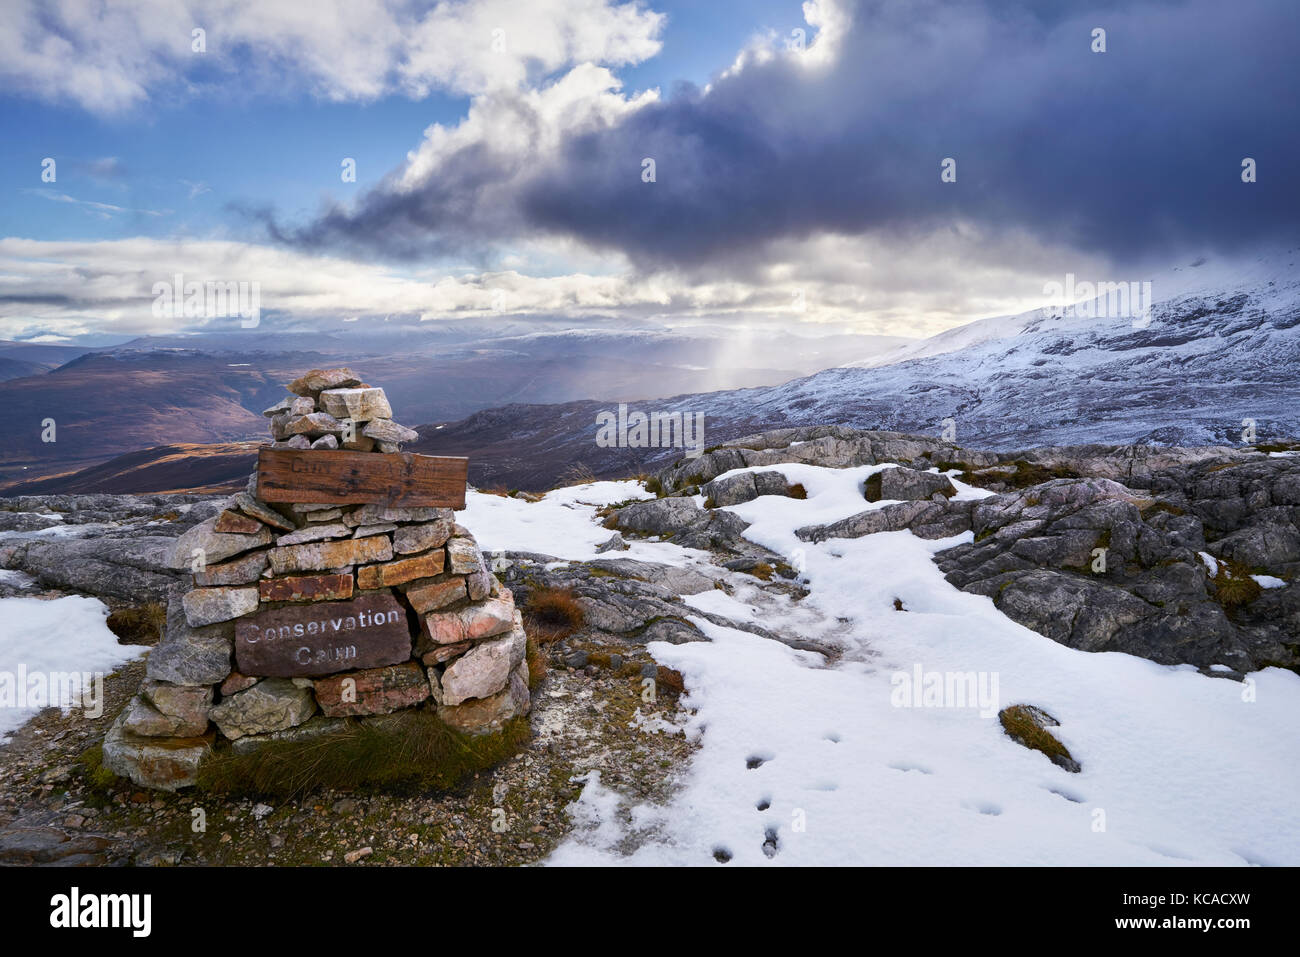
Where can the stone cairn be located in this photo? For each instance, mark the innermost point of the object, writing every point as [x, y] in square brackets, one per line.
[303, 616]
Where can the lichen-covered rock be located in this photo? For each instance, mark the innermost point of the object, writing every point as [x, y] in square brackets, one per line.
[273, 704]
[372, 691]
[244, 570]
[189, 704]
[143, 719]
[166, 764]
[401, 571]
[205, 544]
[188, 655]
[317, 381]
[360, 405]
[485, 668]
[325, 556]
[388, 433]
[488, 715]
[472, 623]
[208, 606]
[410, 539]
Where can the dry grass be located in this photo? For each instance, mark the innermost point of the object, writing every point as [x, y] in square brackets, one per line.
[670, 681]
[138, 625]
[552, 614]
[536, 663]
[1023, 724]
[576, 474]
[1233, 586]
[871, 488]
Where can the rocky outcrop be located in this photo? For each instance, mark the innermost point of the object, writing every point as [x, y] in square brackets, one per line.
[832, 446]
[1099, 566]
[930, 520]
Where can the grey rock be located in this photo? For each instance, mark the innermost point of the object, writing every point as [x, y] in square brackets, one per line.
[208, 606]
[614, 543]
[386, 430]
[909, 485]
[484, 669]
[167, 764]
[485, 715]
[410, 539]
[273, 704]
[188, 655]
[360, 405]
[313, 533]
[213, 546]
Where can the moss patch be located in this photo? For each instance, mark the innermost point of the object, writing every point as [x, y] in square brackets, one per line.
[408, 749]
[1026, 475]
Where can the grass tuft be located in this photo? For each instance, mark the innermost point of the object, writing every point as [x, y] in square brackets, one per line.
[1233, 586]
[1026, 725]
[551, 614]
[536, 663]
[138, 625]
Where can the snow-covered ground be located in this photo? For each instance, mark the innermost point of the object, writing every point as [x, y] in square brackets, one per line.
[50, 654]
[824, 765]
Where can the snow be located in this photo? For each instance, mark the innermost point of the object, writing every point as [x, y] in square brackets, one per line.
[40, 641]
[847, 777]
[562, 524]
[1268, 581]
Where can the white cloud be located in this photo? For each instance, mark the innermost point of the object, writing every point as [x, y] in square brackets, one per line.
[71, 288]
[111, 57]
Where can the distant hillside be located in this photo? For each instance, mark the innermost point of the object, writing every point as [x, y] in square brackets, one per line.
[165, 468]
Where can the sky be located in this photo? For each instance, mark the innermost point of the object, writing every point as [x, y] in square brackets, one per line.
[670, 162]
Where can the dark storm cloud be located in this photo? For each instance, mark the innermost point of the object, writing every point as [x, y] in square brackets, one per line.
[1135, 150]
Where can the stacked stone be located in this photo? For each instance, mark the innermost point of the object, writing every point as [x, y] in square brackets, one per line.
[332, 409]
[458, 645]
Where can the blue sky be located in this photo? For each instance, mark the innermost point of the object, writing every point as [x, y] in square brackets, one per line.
[501, 150]
[191, 159]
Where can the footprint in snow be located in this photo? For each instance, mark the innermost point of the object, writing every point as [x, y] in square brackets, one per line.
[904, 766]
[983, 807]
[757, 760]
[1068, 795]
[721, 855]
[771, 843]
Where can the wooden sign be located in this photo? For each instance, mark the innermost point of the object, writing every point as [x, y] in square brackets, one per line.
[323, 638]
[339, 477]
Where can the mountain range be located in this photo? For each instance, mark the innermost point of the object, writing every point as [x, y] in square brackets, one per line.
[1214, 360]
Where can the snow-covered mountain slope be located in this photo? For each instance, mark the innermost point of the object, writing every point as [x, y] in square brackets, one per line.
[1217, 347]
